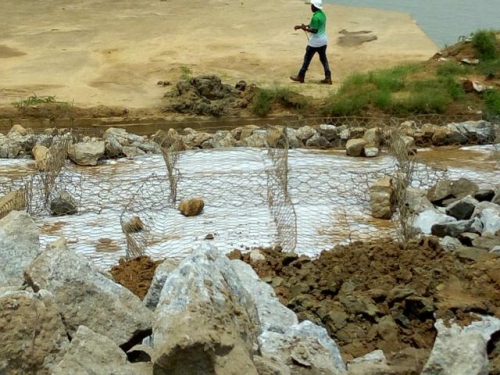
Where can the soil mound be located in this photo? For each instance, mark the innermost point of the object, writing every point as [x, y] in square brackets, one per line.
[135, 274]
[380, 296]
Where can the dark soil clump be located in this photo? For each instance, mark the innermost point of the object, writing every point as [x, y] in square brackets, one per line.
[135, 274]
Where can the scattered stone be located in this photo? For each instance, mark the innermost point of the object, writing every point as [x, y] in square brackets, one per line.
[463, 187]
[19, 245]
[381, 197]
[489, 215]
[428, 218]
[371, 152]
[373, 137]
[18, 129]
[452, 229]
[462, 209]
[40, 154]
[63, 204]
[134, 225]
[209, 236]
[486, 242]
[440, 191]
[86, 297]
[450, 243]
[484, 195]
[86, 153]
[191, 207]
[355, 147]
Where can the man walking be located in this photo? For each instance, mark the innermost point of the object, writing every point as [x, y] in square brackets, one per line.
[317, 43]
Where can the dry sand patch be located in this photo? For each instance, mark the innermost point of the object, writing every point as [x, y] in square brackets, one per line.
[96, 52]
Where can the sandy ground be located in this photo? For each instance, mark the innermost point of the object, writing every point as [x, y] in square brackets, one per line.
[93, 52]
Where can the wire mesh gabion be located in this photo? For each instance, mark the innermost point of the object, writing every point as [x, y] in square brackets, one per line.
[301, 200]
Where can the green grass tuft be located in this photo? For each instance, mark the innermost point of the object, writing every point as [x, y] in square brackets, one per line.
[486, 44]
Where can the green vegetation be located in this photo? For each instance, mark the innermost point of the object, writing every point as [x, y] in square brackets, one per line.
[486, 44]
[433, 87]
[422, 88]
[34, 100]
[186, 73]
[265, 99]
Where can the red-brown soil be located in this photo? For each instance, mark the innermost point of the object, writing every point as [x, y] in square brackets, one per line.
[135, 274]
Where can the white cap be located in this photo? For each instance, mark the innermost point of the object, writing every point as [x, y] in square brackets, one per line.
[317, 4]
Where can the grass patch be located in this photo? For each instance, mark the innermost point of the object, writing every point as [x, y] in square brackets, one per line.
[265, 99]
[486, 44]
[452, 69]
[491, 100]
[35, 100]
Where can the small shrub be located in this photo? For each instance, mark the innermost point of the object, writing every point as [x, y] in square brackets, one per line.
[491, 100]
[486, 45]
[263, 102]
[186, 73]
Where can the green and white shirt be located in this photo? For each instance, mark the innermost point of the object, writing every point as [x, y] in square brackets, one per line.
[318, 21]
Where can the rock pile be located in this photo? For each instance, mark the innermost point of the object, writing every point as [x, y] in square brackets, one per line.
[59, 314]
[466, 218]
[357, 141]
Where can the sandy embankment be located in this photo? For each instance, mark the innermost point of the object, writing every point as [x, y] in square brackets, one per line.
[113, 53]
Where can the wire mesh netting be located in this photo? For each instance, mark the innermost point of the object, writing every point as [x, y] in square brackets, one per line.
[301, 200]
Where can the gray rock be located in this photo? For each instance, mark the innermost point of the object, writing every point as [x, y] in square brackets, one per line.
[205, 322]
[330, 132]
[222, 139]
[440, 191]
[461, 351]
[463, 187]
[377, 356]
[417, 200]
[373, 136]
[486, 242]
[371, 152]
[32, 332]
[484, 195]
[86, 153]
[91, 353]
[132, 151]
[63, 204]
[471, 253]
[462, 209]
[305, 344]
[489, 215]
[257, 139]
[18, 247]
[354, 147]
[381, 196]
[450, 243]
[159, 278]
[273, 315]
[304, 133]
[113, 147]
[495, 250]
[496, 197]
[453, 229]
[318, 141]
[86, 297]
[466, 238]
[428, 218]
[477, 131]
[293, 141]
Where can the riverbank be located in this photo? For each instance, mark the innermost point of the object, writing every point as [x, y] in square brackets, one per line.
[94, 53]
